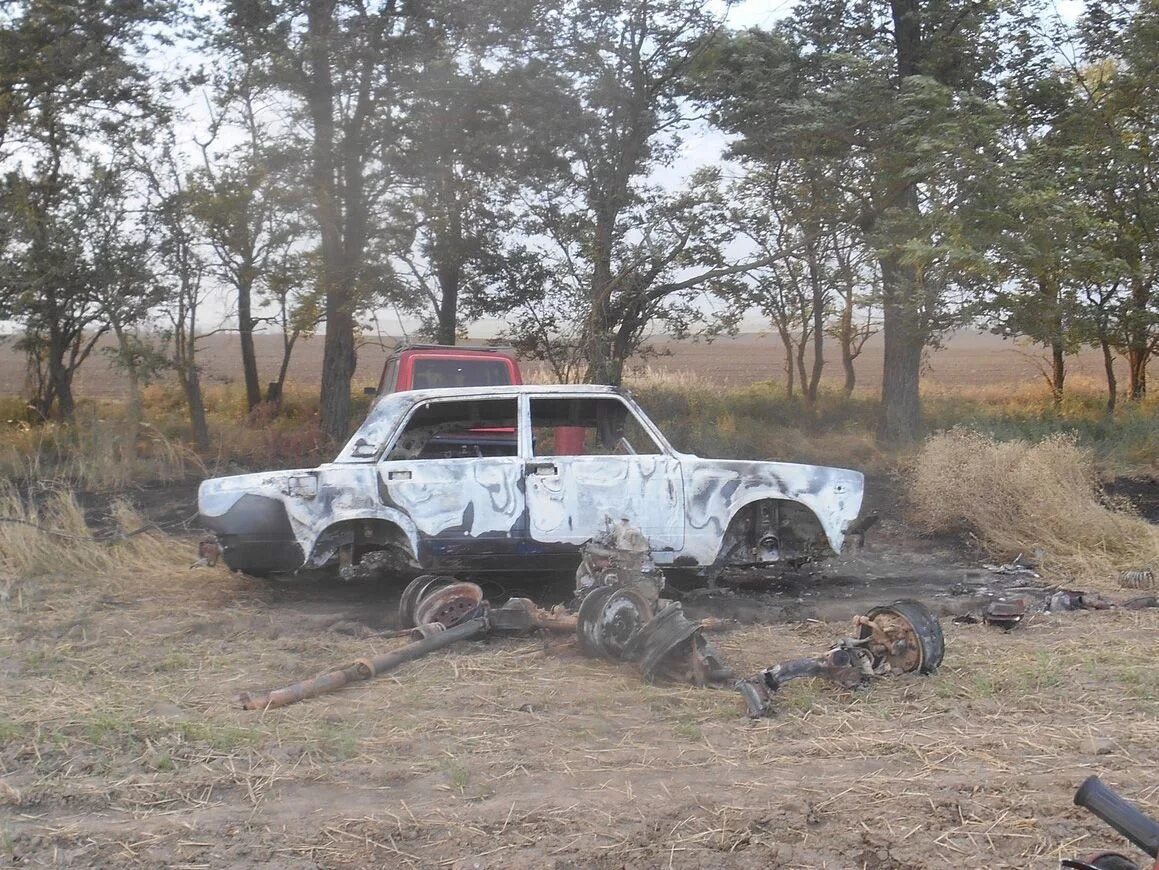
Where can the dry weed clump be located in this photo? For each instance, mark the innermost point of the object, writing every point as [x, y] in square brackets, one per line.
[1041, 499]
[50, 536]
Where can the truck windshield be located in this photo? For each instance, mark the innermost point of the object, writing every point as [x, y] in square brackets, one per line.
[435, 373]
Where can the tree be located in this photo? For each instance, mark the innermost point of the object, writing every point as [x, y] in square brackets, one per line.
[773, 211]
[47, 276]
[1120, 177]
[345, 69]
[125, 290]
[1071, 211]
[181, 268]
[249, 207]
[900, 95]
[74, 88]
[475, 130]
[857, 285]
[623, 253]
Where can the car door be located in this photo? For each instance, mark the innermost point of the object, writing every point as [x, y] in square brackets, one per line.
[454, 469]
[593, 462]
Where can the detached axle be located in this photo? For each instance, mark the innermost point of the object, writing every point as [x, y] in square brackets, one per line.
[364, 669]
[437, 612]
[897, 638]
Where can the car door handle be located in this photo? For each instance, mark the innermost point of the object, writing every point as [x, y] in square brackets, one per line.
[398, 475]
[542, 469]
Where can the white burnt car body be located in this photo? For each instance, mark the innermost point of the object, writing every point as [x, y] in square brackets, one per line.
[511, 478]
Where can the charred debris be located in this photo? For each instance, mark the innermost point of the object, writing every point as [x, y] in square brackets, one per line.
[620, 614]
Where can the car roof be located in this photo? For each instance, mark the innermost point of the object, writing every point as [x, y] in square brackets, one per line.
[513, 390]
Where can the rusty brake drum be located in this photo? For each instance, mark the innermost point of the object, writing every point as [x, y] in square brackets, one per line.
[902, 637]
[415, 590]
[430, 598]
[449, 605]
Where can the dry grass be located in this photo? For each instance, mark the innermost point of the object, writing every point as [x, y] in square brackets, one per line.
[47, 534]
[123, 746]
[1038, 499]
[94, 453]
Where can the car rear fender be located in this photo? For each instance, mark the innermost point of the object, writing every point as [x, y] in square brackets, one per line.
[375, 526]
[718, 491]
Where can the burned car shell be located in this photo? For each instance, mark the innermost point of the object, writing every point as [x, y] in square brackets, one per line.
[476, 512]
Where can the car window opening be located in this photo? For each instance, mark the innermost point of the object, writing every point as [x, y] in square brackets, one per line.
[459, 430]
[588, 427]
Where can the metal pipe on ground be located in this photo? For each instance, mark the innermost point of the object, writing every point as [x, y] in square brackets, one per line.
[364, 669]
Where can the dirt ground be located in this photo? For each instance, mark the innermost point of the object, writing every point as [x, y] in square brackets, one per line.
[122, 745]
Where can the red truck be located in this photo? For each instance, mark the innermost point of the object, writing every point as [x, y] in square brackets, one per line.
[431, 366]
[436, 366]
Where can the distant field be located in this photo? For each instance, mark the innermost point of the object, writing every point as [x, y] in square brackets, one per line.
[968, 360]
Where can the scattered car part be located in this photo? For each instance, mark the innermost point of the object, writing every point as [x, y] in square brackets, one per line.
[622, 617]
[1076, 599]
[1144, 578]
[609, 617]
[903, 637]
[860, 526]
[621, 556]
[427, 629]
[1125, 818]
[522, 614]
[449, 605]
[415, 590]
[208, 552]
[446, 613]
[1017, 566]
[660, 638]
[363, 669]
[1005, 614]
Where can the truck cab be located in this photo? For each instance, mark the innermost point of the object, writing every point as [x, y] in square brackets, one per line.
[435, 366]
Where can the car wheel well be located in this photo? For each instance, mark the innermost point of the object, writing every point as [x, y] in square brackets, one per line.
[365, 535]
[769, 530]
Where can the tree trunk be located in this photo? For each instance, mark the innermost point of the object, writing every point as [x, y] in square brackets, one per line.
[602, 369]
[1138, 339]
[133, 412]
[338, 363]
[903, 330]
[449, 275]
[1109, 368]
[191, 385]
[845, 339]
[905, 339]
[1049, 292]
[60, 377]
[818, 322]
[1137, 359]
[1057, 370]
[801, 371]
[275, 388]
[249, 362]
[790, 380]
[449, 261]
[338, 357]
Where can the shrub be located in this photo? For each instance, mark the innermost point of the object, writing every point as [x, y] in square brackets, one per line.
[1038, 498]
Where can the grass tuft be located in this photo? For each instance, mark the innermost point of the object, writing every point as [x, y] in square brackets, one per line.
[1040, 499]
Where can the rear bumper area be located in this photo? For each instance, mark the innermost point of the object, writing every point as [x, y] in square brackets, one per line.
[255, 536]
